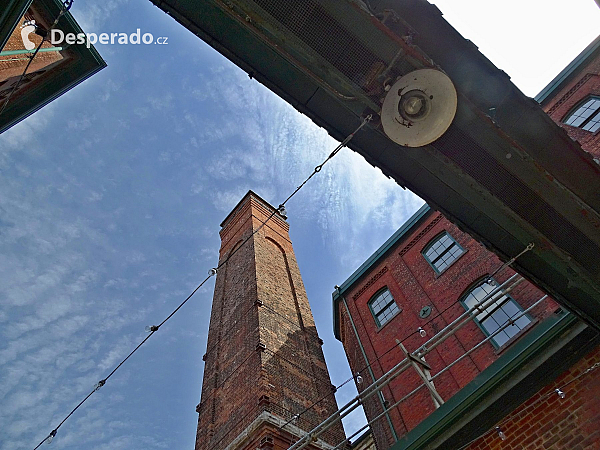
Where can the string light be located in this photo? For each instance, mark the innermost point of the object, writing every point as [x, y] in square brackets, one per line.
[282, 211]
[359, 378]
[150, 328]
[211, 272]
[98, 385]
[50, 437]
[560, 393]
[422, 332]
[501, 434]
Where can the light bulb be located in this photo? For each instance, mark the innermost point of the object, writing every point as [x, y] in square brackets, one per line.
[560, 393]
[295, 418]
[422, 332]
[50, 438]
[150, 328]
[212, 272]
[98, 385]
[282, 211]
[501, 434]
[359, 379]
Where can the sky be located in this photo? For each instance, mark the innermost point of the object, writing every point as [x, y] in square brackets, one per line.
[111, 199]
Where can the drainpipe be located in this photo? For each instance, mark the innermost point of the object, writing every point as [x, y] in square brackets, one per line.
[362, 349]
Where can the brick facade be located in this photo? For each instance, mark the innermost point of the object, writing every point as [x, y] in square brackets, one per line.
[264, 362]
[12, 66]
[543, 421]
[547, 421]
[587, 82]
[414, 284]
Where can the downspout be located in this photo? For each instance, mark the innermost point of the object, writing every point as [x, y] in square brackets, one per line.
[362, 349]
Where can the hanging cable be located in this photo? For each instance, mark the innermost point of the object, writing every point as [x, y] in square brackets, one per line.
[560, 390]
[212, 272]
[419, 330]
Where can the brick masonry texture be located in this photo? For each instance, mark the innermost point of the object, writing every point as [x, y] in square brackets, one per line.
[263, 350]
[572, 423]
[11, 67]
[587, 83]
[414, 284]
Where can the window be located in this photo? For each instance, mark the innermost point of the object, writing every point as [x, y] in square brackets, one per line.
[442, 251]
[586, 115]
[497, 313]
[383, 306]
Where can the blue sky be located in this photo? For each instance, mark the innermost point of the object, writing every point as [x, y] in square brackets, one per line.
[111, 199]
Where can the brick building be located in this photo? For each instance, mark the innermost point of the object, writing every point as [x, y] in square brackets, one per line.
[53, 71]
[428, 274]
[264, 364]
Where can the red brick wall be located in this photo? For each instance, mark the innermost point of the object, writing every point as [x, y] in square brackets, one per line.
[586, 83]
[414, 284]
[11, 67]
[263, 351]
[546, 421]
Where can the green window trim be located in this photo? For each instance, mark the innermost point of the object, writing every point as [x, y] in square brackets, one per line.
[451, 251]
[383, 307]
[585, 114]
[487, 315]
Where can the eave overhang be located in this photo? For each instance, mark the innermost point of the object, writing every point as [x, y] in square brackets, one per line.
[530, 364]
[504, 171]
[83, 63]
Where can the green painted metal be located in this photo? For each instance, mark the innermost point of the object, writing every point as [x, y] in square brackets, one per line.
[10, 14]
[495, 381]
[567, 74]
[365, 267]
[25, 51]
[83, 63]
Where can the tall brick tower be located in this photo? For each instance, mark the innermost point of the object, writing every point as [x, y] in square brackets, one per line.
[264, 362]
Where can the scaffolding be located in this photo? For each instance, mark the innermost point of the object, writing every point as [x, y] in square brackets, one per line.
[494, 299]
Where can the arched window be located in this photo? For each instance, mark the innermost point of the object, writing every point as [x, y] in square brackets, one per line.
[383, 307]
[585, 115]
[442, 251]
[497, 313]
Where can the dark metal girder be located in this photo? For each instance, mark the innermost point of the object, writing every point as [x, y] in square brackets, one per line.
[508, 177]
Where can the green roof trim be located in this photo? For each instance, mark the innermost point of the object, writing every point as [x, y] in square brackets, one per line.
[529, 364]
[9, 18]
[422, 213]
[84, 63]
[566, 75]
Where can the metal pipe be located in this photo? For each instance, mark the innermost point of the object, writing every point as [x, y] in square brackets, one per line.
[487, 339]
[367, 362]
[386, 378]
[24, 51]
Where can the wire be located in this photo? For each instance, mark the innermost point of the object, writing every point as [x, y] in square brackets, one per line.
[66, 6]
[155, 328]
[543, 397]
[395, 346]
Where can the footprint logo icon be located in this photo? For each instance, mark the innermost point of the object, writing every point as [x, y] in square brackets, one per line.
[28, 28]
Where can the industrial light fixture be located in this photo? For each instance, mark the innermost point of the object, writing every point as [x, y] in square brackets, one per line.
[419, 108]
